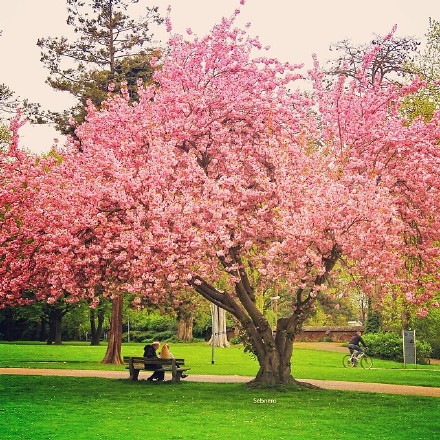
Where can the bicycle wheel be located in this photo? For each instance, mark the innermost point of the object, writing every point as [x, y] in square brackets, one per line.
[346, 361]
[366, 362]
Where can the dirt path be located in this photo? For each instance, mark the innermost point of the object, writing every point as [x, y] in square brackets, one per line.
[326, 384]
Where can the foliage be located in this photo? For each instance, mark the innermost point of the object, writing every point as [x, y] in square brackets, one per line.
[22, 323]
[105, 32]
[435, 346]
[9, 103]
[428, 329]
[76, 323]
[152, 326]
[390, 346]
[110, 48]
[158, 322]
[202, 326]
[426, 101]
[95, 87]
[331, 309]
[373, 324]
[5, 136]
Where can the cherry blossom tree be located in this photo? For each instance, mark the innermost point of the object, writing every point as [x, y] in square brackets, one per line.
[243, 176]
[227, 178]
[68, 231]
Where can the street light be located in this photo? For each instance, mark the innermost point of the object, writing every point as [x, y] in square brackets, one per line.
[214, 324]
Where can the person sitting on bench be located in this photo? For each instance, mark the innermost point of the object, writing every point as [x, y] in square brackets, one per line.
[150, 353]
[165, 353]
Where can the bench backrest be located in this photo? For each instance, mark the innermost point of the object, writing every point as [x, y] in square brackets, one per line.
[144, 360]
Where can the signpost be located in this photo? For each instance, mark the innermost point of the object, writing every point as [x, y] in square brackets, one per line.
[409, 347]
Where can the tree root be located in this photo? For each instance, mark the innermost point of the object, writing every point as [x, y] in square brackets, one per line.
[289, 385]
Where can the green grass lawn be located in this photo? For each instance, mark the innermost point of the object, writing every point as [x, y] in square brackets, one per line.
[64, 408]
[61, 408]
[306, 363]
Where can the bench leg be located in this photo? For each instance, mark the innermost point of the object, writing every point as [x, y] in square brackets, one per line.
[134, 374]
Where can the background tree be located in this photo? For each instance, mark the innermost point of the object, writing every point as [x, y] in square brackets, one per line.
[8, 103]
[333, 310]
[107, 36]
[186, 306]
[427, 65]
[392, 59]
[87, 66]
[23, 323]
[5, 136]
[94, 86]
[96, 317]
[54, 314]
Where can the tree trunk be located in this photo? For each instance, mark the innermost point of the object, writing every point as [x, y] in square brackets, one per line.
[273, 353]
[58, 326]
[113, 354]
[274, 370]
[55, 326]
[8, 335]
[184, 327]
[54, 313]
[96, 328]
[42, 333]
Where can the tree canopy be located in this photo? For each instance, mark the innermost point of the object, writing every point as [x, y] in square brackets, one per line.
[221, 179]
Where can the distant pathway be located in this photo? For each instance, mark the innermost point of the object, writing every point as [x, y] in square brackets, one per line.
[326, 384]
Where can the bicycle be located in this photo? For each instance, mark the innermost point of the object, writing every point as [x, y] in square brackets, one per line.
[351, 360]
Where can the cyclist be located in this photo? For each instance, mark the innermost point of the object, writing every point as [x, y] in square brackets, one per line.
[354, 342]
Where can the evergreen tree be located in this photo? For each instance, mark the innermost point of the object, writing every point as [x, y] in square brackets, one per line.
[85, 67]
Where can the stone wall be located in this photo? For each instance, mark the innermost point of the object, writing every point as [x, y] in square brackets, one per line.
[327, 333]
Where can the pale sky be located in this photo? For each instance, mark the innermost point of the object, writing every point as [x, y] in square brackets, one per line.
[294, 30]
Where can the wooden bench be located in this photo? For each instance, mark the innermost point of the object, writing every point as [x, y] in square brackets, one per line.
[136, 364]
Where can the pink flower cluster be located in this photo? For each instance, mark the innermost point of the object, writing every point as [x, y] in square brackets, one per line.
[219, 173]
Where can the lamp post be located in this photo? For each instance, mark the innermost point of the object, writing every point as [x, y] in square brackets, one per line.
[214, 316]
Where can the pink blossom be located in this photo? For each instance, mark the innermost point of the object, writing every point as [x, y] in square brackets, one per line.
[224, 169]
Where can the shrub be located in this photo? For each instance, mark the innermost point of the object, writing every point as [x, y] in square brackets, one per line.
[153, 335]
[235, 340]
[390, 346]
[423, 352]
[135, 336]
[385, 345]
[156, 322]
[435, 349]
